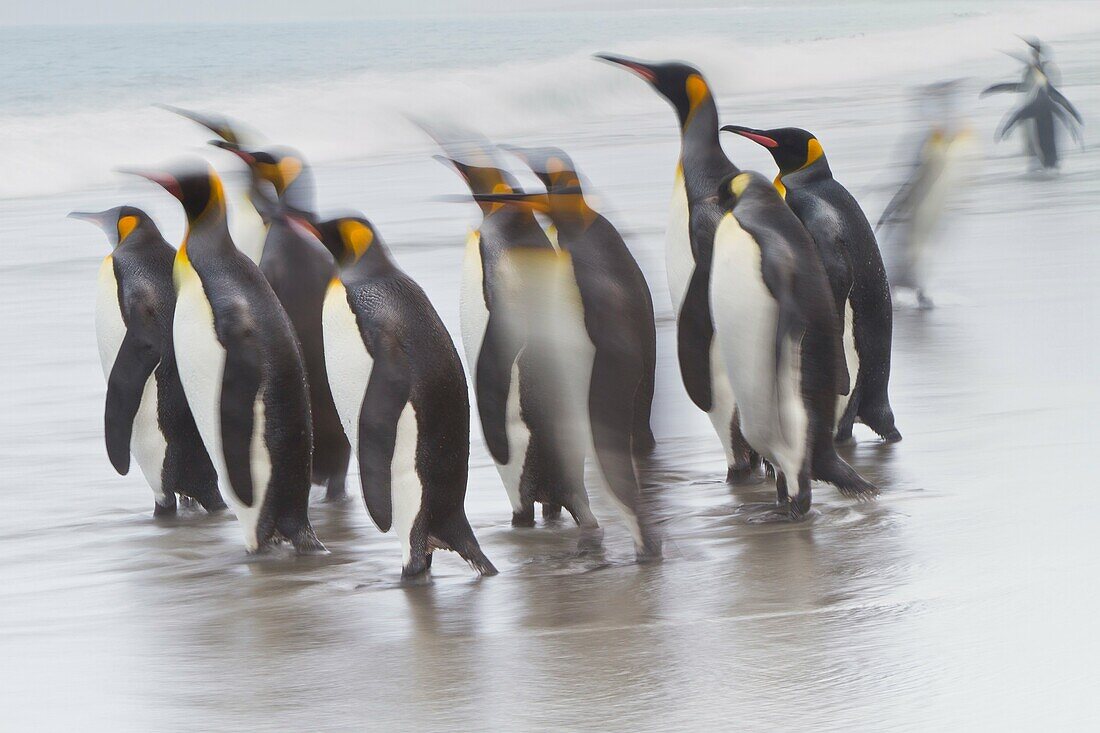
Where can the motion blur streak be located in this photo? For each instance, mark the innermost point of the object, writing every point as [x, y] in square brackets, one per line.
[964, 597]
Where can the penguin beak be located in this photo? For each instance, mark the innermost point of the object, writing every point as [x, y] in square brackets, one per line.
[99, 218]
[236, 149]
[302, 226]
[640, 68]
[533, 201]
[165, 180]
[217, 125]
[757, 136]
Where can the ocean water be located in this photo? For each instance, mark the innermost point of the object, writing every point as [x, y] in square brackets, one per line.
[961, 598]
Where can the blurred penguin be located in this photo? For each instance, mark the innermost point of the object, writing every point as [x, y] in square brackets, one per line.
[1043, 105]
[615, 364]
[912, 219]
[523, 404]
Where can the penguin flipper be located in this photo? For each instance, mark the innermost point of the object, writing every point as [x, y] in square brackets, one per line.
[1072, 126]
[240, 385]
[1023, 113]
[386, 396]
[492, 380]
[694, 333]
[1061, 100]
[1008, 86]
[137, 357]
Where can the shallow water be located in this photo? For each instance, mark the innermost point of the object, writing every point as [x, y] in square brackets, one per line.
[962, 597]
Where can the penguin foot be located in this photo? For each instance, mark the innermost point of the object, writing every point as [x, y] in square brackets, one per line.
[843, 435]
[891, 436]
[418, 570]
[649, 552]
[799, 507]
[738, 473]
[164, 510]
[188, 502]
[524, 518]
[551, 511]
[306, 543]
[590, 541]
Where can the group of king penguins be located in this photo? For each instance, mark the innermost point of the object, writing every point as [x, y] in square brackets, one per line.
[248, 364]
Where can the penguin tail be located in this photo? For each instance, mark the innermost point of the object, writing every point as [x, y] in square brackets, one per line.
[831, 468]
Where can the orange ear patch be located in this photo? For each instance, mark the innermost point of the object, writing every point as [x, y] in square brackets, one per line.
[126, 225]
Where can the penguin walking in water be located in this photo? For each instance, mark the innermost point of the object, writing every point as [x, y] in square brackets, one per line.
[250, 210]
[694, 217]
[242, 371]
[299, 269]
[402, 397]
[519, 397]
[848, 250]
[617, 311]
[777, 327]
[146, 410]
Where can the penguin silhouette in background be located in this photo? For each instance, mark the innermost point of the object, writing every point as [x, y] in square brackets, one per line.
[912, 221]
[848, 250]
[616, 370]
[241, 369]
[693, 219]
[776, 322]
[519, 397]
[300, 269]
[1044, 106]
[402, 397]
[146, 409]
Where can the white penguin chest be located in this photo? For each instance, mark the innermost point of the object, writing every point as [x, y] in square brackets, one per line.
[348, 362]
[679, 261]
[473, 313]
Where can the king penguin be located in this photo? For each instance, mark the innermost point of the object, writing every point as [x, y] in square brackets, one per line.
[616, 370]
[241, 368]
[146, 411]
[778, 330]
[299, 269]
[402, 397]
[850, 254]
[249, 209]
[519, 399]
[693, 219]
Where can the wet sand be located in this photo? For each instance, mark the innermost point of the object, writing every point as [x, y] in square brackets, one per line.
[962, 598]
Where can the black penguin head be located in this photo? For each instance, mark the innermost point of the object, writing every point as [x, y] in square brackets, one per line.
[348, 238]
[737, 185]
[552, 165]
[483, 179]
[791, 147]
[197, 187]
[283, 168]
[117, 223]
[681, 84]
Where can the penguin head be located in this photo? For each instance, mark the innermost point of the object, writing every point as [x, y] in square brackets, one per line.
[791, 147]
[196, 186]
[118, 223]
[283, 168]
[483, 180]
[348, 238]
[553, 167]
[681, 84]
[737, 186]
